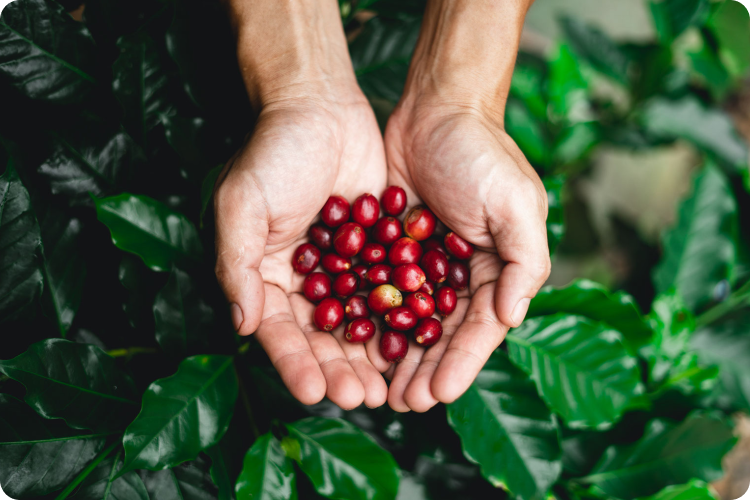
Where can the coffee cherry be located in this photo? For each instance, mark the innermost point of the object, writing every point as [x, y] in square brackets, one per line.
[405, 251]
[393, 346]
[335, 264]
[458, 247]
[435, 265]
[366, 210]
[306, 258]
[387, 230]
[335, 212]
[434, 244]
[408, 277]
[345, 284]
[355, 307]
[321, 236]
[361, 271]
[384, 298]
[360, 330]
[317, 287]
[419, 223]
[427, 288]
[458, 275]
[445, 300]
[328, 314]
[422, 304]
[428, 332]
[349, 239]
[379, 274]
[393, 200]
[401, 319]
[373, 253]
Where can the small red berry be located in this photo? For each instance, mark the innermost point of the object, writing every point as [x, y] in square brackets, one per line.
[328, 314]
[306, 258]
[366, 210]
[445, 300]
[335, 212]
[361, 271]
[360, 330]
[428, 332]
[433, 244]
[373, 253]
[335, 264]
[379, 274]
[419, 223]
[387, 230]
[422, 304]
[393, 200]
[384, 298]
[458, 247]
[355, 307]
[393, 346]
[405, 251]
[435, 265]
[349, 239]
[321, 236]
[458, 275]
[345, 284]
[428, 287]
[317, 287]
[408, 277]
[401, 318]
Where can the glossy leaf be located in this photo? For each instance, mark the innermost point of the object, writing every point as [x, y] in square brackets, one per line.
[528, 132]
[220, 471]
[668, 453]
[75, 382]
[590, 299]
[267, 473]
[104, 484]
[341, 460]
[694, 490]
[39, 456]
[581, 368]
[555, 218]
[575, 143]
[699, 252]
[672, 17]
[182, 415]
[527, 84]
[183, 319]
[187, 481]
[44, 53]
[730, 24]
[507, 429]
[597, 48]
[567, 88]
[143, 226]
[20, 247]
[207, 189]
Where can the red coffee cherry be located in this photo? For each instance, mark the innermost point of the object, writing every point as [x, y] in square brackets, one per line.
[405, 251]
[435, 265]
[360, 330]
[366, 210]
[427, 288]
[393, 200]
[408, 277]
[361, 271]
[349, 239]
[387, 230]
[401, 319]
[433, 244]
[373, 253]
[393, 346]
[458, 247]
[345, 284]
[321, 236]
[379, 274]
[317, 287]
[328, 314]
[445, 300]
[428, 332]
[335, 212]
[355, 307]
[384, 298]
[458, 275]
[306, 258]
[422, 304]
[335, 264]
[419, 223]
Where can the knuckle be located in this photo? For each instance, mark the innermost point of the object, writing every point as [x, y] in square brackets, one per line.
[541, 269]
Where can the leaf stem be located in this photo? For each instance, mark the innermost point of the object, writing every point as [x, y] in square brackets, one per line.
[85, 472]
[131, 351]
[736, 299]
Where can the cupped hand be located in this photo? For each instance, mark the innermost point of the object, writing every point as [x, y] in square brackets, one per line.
[300, 152]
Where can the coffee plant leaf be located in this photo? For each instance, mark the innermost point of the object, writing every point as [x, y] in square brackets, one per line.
[673, 17]
[554, 186]
[220, 471]
[568, 88]
[182, 415]
[598, 49]
[528, 132]
[44, 54]
[39, 456]
[187, 481]
[79, 383]
[581, 368]
[588, 298]
[267, 473]
[575, 142]
[102, 483]
[506, 428]
[694, 490]
[668, 453]
[699, 251]
[141, 225]
[341, 460]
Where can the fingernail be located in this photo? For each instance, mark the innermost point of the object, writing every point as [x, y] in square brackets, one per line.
[236, 317]
[519, 312]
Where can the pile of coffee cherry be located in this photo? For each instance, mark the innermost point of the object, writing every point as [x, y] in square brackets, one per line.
[408, 271]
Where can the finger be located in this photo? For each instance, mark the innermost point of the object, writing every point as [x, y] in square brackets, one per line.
[402, 375]
[376, 391]
[372, 347]
[241, 233]
[343, 387]
[288, 348]
[478, 335]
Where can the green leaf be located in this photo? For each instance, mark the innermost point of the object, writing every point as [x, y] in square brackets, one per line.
[207, 189]
[597, 48]
[590, 299]
[143, 226]
[341, 460]
[187, 481]
[527, 84]
[220, 473]
[730, 24]
[506, 428]
[708, 68]
[182, 415]
[104, 484]
[381, 54]
[694, 490]
[567, 88]
[668, 453]
[581, 368]
[527, 131]
[699, 252]
[44, 53]
[39, 456]
[21, 279]
[575, 142]
[76, 382]
[672, 17]
[267, 473]
[555, 218]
